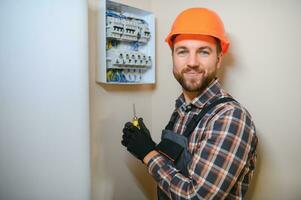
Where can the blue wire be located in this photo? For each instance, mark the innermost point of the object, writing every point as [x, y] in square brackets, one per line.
[112, 14]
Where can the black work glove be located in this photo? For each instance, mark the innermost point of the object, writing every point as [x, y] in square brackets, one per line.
[138, 141]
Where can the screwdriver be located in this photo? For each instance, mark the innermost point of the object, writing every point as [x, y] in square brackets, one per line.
[135, 118]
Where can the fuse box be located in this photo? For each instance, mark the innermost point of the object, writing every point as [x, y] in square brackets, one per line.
[125, 44]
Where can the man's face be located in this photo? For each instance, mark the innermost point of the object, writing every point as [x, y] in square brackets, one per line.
[195, 62]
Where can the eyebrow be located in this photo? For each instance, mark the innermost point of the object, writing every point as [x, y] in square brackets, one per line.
[201, 48]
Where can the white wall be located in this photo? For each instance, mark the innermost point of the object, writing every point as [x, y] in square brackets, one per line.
[44, 100]
[261, 70]
[44, 120]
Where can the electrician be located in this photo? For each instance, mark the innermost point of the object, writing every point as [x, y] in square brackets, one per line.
[208, 148]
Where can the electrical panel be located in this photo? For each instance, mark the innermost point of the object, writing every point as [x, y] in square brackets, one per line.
[125, 44]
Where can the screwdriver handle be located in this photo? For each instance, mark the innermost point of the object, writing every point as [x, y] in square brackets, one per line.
[135, 118]
[135, 122]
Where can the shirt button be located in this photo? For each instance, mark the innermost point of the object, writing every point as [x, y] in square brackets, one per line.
[188, 108]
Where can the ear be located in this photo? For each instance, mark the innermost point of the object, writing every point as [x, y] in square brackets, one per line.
[219, 60]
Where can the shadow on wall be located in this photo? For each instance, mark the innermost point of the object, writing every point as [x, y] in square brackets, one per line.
[127, 88]
[227, 63]
[144, 181]
[109, 177]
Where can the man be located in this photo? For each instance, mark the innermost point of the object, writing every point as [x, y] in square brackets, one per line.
[218, 157]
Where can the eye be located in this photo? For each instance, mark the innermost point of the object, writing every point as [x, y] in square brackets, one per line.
[203, 52]
[182, 52]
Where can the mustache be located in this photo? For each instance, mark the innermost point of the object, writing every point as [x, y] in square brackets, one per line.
[187, 70]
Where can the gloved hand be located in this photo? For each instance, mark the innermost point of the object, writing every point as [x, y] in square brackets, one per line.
[138, 141]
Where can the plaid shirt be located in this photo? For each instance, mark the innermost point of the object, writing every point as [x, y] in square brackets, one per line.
[222, 148]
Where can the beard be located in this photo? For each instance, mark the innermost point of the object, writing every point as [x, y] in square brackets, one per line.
[194, 84]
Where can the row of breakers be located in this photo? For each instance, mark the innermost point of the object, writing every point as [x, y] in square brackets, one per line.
[125, 28]
[117, 58]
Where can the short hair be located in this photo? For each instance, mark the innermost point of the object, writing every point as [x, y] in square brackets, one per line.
[217, 41]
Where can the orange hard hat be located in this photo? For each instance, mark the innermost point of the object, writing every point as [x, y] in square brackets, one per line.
[199, 21]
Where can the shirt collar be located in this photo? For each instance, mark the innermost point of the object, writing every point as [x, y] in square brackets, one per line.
[212, 92]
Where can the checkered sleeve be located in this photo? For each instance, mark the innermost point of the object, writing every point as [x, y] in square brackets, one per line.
[217, 161]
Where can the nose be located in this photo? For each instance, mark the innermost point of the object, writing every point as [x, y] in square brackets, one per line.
[193, 60]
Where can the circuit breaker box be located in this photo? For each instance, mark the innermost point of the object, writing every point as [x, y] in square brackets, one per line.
[125, 44]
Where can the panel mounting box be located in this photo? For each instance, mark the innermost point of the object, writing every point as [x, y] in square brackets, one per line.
[125, 44]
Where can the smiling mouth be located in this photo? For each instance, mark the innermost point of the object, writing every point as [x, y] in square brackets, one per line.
[193, 73]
